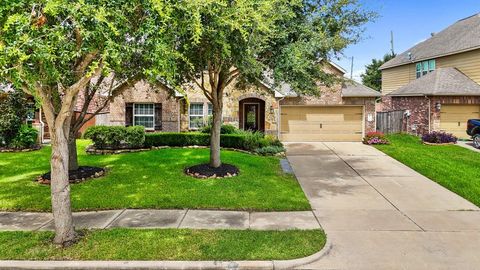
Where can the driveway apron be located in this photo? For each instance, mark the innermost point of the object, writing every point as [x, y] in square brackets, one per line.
[380, 214]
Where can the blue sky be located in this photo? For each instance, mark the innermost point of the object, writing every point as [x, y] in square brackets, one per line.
[411, 21]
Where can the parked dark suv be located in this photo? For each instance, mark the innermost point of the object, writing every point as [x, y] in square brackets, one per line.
[473, 129]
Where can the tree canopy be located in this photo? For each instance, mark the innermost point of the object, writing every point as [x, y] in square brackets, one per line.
[373, 75]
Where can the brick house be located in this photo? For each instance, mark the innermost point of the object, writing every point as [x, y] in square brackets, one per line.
[436, 82]
[344, 112]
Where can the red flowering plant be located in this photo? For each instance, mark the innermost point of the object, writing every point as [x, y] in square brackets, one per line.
[376, 137]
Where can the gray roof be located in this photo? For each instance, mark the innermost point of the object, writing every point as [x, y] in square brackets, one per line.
[355, 89]
[441, 82]
[464, 35]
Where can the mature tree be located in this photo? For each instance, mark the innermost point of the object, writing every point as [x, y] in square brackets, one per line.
[241, 41]
[373, 75]
[51, 49]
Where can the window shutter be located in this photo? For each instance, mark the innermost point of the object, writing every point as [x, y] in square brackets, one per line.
[158, 116]
[128, 114]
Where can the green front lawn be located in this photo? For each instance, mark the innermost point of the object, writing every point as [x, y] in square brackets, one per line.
[454, 167]
[153, 179]
[166, 244]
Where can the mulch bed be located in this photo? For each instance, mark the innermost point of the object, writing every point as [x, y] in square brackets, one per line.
[82, 174]
[15, 150]
[205, 171]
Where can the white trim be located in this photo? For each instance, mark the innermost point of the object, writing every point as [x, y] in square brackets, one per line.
[144, 115]
[196, 115]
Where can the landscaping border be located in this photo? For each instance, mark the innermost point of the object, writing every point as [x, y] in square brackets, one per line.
[91, 150]
[168, 265]
[11, 150]
[438, 144]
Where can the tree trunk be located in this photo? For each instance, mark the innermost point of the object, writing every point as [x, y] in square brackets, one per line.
[60, 188]
[215, 161]
[72, 153]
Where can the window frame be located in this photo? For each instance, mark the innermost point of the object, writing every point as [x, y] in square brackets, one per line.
[144, 115]
[422, 68]
[195, 115]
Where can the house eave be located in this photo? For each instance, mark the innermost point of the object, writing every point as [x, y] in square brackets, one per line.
[430, 57]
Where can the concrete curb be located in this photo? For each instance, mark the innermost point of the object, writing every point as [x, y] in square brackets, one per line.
[166, 265]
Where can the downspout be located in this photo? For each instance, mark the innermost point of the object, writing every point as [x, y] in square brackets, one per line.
[179, 126]
[42, 125]
[429, 113]
[279, 117]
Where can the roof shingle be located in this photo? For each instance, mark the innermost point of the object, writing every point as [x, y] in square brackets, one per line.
[441, 82]
[464, 35]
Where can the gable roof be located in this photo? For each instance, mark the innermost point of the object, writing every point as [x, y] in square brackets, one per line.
[354, 89]
[462, 36]
[441, 82]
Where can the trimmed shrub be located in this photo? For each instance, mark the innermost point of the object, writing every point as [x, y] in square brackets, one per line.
[269, 150]
[26, 138]
[245, 140]
[439, 137]
[116, 137]
[176, 139]
[224, 129]
[376, 137]
[135, 136]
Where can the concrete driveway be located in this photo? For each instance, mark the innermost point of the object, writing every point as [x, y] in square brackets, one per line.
[380, 214]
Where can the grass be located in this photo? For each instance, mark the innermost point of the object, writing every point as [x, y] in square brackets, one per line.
[153, 179]
[165, 244]
[453, 167]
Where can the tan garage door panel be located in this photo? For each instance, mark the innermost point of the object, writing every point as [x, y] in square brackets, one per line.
[453, 118]
[310, 123]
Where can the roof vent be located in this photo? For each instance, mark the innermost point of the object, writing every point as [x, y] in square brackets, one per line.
[409, 55]
[432, 34]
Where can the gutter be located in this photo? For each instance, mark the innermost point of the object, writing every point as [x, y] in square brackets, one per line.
[279, 117]
[429, 113]
[42, 125]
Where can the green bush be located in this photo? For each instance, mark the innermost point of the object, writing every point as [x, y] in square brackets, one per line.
[135, 136]
[13, 108]
[224, 129]
[176, 139]
[116, 137]
[26, 138]
[244, 140]
[269, 150]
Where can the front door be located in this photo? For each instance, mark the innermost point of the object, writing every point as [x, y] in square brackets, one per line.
[251, 116]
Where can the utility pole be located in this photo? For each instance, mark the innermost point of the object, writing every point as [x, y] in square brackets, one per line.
[391, 42]
[351, 70]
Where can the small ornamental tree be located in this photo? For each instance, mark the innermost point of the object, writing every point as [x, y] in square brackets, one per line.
[51, 49]
[241, 41]
[13, 111]
[373, 75]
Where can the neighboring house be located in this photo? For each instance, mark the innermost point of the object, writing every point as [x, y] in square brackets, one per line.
[437, 81]
[341, 113]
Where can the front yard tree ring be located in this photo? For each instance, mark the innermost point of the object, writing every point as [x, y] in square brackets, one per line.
[77, 176]
[204, 171]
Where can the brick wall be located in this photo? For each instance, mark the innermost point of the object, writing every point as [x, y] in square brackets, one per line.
[418, 122]
[143, 92]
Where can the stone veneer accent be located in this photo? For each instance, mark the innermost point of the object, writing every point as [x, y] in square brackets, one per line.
[419, 108]
[174, 109]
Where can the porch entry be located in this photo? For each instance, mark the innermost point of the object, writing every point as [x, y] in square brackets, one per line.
[252, 114]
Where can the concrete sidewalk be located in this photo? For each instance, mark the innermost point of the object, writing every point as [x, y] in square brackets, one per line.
[380, 214]
[148, 218]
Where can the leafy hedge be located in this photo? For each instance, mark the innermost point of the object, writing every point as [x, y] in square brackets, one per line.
[246, 140]
[116, 137]
[26, 138]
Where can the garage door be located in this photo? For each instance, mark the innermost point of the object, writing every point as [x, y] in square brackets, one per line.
[315, 123]
[453, 118]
